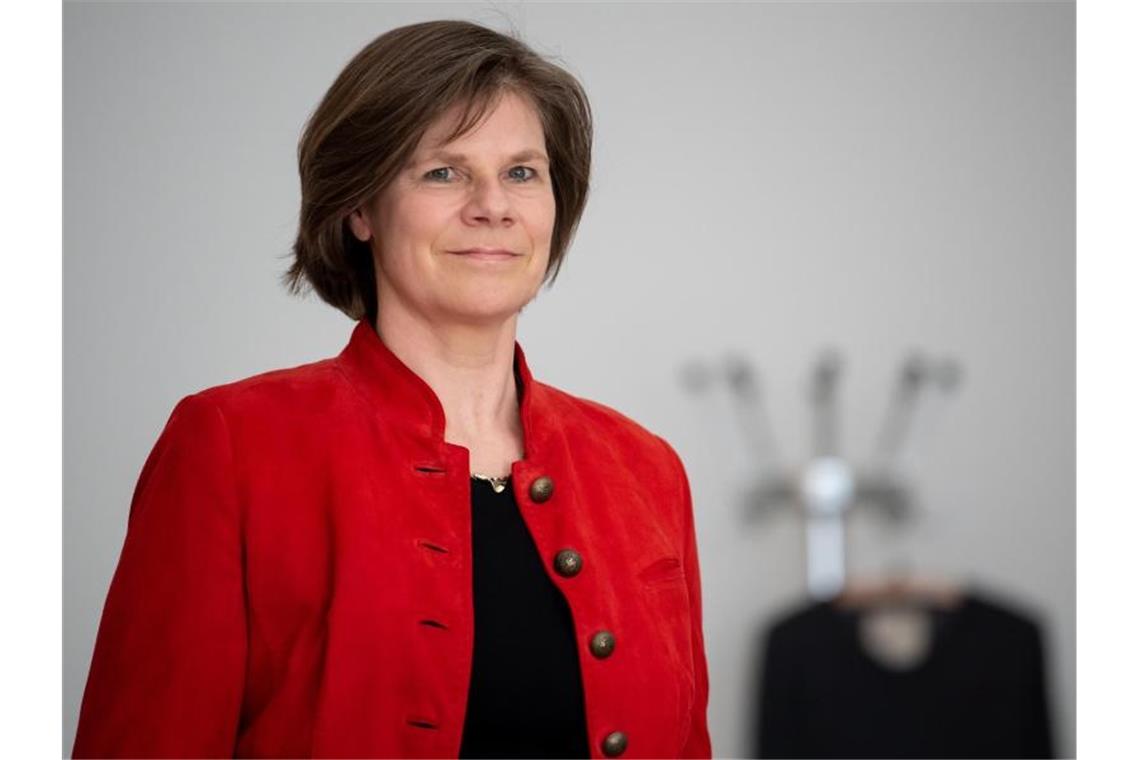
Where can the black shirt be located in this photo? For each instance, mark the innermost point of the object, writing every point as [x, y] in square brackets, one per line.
[526, 697]
[979, 692]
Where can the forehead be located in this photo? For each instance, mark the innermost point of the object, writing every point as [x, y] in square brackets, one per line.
[510, 120]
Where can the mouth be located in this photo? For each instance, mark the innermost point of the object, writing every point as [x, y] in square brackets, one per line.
[487, 254]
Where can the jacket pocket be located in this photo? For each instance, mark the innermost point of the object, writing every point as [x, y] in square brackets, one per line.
[668, 664]
[663, 571]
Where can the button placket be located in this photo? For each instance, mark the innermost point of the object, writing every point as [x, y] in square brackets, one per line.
[568, 563]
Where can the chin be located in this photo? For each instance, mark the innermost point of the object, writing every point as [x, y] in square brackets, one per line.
[484, 307]
[481, 301]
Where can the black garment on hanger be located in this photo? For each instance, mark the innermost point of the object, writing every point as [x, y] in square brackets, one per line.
[980, 692]
[526, 697]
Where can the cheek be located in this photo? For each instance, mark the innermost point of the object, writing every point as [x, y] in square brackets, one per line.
[415, 222]
[541, 218]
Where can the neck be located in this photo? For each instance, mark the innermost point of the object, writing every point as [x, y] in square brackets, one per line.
[470, 367]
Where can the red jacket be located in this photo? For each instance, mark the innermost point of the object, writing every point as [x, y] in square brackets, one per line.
[291, 532]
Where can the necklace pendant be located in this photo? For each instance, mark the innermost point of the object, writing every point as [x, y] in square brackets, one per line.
[498, 485]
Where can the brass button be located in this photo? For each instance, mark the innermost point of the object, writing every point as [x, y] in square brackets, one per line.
[541, 488]
[614, 744]
[602, 644]
[567, 563]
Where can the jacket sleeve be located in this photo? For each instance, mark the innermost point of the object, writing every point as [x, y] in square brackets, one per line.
[168, 667]
[697, 743]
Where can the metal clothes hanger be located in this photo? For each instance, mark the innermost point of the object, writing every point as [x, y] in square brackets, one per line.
[828, 486]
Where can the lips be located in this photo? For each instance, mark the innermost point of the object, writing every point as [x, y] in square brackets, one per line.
[487, 254]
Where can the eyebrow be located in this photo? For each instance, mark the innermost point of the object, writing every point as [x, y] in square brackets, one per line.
[459, 158]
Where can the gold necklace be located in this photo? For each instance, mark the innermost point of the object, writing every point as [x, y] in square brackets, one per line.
[497, 484]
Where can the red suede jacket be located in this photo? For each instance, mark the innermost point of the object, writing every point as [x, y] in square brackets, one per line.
[296, 577]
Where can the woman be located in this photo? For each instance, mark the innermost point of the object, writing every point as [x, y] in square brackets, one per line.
[414, 548]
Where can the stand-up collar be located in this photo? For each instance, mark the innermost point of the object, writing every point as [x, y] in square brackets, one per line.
[399, 394]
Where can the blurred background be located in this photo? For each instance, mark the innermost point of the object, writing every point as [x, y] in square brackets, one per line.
[828, 254]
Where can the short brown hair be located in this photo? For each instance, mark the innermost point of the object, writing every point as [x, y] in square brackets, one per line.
[371, 119]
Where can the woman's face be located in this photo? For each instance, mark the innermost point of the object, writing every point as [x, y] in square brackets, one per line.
[489, 189]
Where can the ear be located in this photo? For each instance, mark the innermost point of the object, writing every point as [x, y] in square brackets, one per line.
[361, 227]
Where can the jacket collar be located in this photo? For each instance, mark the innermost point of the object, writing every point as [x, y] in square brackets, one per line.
[399, 394]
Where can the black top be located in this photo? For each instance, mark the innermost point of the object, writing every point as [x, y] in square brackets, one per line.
[525, 697]
[979, 692]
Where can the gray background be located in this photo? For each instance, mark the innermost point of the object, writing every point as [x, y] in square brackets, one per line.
[769, 179]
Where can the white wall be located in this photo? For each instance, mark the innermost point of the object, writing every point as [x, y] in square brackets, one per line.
[769, 179]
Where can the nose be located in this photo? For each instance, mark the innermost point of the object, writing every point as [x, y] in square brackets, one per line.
[488, 203]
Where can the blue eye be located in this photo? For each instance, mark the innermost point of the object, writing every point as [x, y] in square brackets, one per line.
[525, 178]
[434, 174]
[517, 173]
